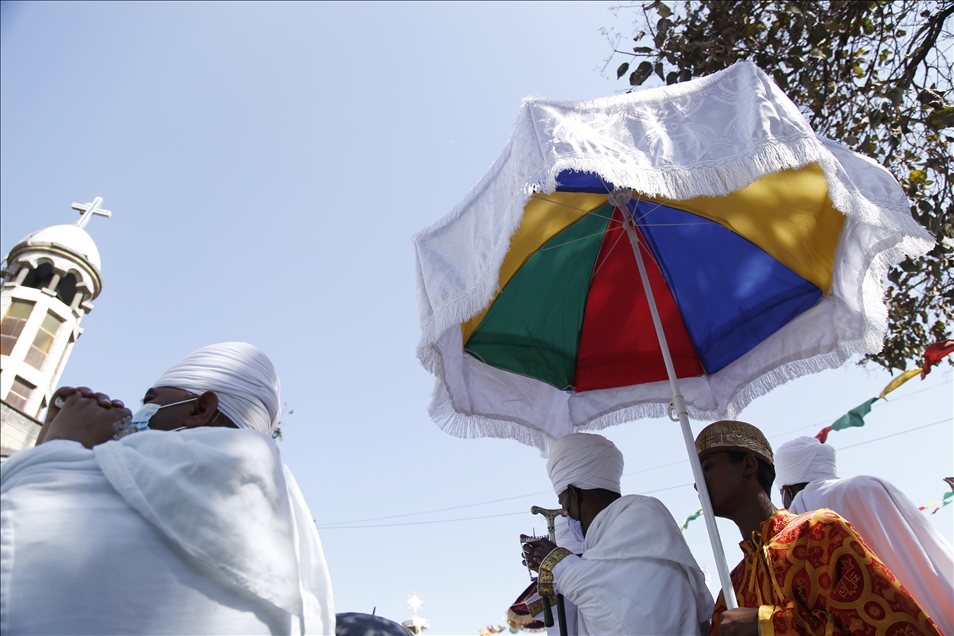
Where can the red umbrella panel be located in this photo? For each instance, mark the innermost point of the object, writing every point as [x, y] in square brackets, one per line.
[571, 310]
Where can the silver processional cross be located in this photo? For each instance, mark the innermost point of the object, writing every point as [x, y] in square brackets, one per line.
[87, 210]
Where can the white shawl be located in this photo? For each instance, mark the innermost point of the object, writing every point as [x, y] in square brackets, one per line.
[636, 575]
[197, 531]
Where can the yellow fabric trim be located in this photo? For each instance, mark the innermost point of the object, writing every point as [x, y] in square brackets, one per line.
[544, 216]
[545, 578]
[788, 214]
[535, 608]
[766, 626]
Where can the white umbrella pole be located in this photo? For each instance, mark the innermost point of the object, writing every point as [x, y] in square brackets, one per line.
[679, 405]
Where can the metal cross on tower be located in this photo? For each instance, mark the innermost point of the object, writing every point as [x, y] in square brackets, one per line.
[87, 210]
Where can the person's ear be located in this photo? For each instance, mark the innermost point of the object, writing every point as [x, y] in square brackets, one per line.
[750, 465]
[578, 496]
[204, 411]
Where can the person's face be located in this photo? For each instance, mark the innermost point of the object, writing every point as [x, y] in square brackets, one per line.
[170, 418]
[790, 492]
[567, 499]
[787, 496]
[723, 481]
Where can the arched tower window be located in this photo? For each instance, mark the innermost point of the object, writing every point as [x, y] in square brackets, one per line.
[66, 290]
[39, 277]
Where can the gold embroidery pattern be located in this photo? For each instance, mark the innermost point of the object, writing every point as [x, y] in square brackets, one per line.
[812, 574]
[535, 608]
[545, 580]
[732, 435]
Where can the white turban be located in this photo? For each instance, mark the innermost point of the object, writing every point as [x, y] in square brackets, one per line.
[585, 460]
[804, 460]
[240, 375]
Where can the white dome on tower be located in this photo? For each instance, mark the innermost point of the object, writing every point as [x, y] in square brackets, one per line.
[49, 282]
[67, 237]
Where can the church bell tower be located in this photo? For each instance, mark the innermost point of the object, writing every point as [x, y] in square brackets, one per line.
[50, 279]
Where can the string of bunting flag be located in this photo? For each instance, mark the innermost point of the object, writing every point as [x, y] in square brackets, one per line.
[856, 416]
[945, 501]
[932, 356]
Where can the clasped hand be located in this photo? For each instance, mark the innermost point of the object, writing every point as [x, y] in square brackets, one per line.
[534, 552]
[85, 416]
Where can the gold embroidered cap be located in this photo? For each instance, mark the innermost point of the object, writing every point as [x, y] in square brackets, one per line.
[730, 435]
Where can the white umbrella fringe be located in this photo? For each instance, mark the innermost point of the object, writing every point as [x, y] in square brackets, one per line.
[522, 171]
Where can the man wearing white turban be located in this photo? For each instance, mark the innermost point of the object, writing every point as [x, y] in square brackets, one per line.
[180, 519]
[636, 574]
[916, 553]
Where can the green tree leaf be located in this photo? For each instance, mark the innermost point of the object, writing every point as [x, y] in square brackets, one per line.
[869, 73]
[642, 72]
[661, 8]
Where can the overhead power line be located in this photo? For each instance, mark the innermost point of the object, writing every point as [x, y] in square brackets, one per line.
[339, 525]
[428, 512]
[333, 524]
[910, 430]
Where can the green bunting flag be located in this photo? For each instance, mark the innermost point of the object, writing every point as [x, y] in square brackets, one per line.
[854, 417]
[695, 515]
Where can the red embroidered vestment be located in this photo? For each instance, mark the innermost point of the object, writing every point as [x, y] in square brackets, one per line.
[813, 574]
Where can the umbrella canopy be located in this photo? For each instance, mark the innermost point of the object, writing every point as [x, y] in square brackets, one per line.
[764, 246]
[573, 314]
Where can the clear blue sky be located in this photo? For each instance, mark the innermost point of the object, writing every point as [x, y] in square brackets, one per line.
[266, 165]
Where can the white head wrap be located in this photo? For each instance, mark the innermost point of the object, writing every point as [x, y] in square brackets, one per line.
[240, 375]
[803, 460]
[585, 460]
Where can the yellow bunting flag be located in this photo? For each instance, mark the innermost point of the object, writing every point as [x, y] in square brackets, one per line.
[898, 381]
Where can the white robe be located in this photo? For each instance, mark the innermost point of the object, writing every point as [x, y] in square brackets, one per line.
[201, 531]
[636, 575]
[915, 552]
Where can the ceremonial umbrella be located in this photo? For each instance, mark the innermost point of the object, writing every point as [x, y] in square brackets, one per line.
[678, 250]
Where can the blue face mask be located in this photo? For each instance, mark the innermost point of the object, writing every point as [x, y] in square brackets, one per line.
[576, 528]
[140, 420]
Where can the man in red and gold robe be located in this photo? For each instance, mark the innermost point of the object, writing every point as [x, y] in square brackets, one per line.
[801, 574]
